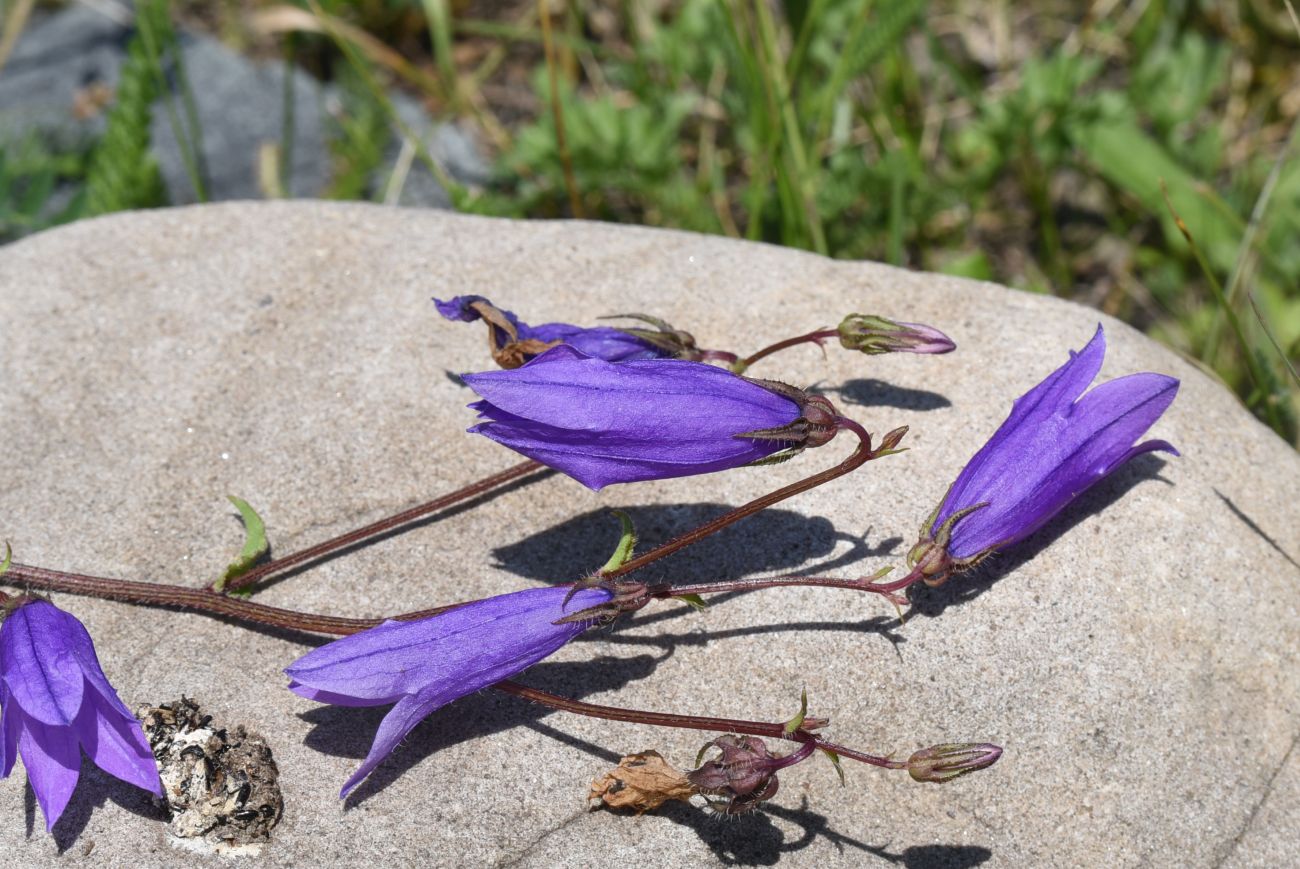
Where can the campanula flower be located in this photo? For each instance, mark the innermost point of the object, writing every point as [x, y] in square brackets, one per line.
[1052, 448]
[513, 342]
[604, 423]
[56, 702]
[420, 666]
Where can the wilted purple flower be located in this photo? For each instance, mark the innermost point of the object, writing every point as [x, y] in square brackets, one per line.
[604, 423]
[56, 702]
[513, 342]
[744, 772]
[870, 334]
[422, 665]
[1051, 449]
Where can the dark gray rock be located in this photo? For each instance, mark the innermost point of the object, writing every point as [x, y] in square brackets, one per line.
[65, 61]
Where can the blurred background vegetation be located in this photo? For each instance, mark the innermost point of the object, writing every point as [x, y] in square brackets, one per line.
[1133, 155]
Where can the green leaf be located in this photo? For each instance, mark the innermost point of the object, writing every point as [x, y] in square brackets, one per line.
[692, 600]
[795, 723]
[626, 544]
[1134, 162]
[255, 543]
[9, 557]
[835, 759]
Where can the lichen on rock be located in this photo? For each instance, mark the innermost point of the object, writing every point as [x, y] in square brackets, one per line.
[220, 786]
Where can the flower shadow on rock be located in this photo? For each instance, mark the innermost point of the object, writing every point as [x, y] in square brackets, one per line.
[753, 839]
[932, 601]
[95, 790]
[774, 540]
[870, 392]
[349, 731]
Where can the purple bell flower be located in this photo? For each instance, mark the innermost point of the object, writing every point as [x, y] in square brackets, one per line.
[514, 342]
[604, 423]
[420, 666]
[57, 702]
[1051, 449]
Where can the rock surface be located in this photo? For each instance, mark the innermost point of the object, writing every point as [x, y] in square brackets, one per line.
[1136, 658]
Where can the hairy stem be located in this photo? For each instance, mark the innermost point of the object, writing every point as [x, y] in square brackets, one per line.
[692, 722]
[816, 337]
[383, 526]
[668, 591]
[197, 599]
[856, 459]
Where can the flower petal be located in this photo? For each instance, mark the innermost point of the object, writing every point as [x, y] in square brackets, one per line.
[408, 712]
[597, 462]
[53, 763]
[116, 743]
[603, 423]
[1056, 459]
[41, 663]
[338, 699]
[463, 649]
[602, 342]
[567, 389]
[458, 308]
[10, 722]
[1062, 386]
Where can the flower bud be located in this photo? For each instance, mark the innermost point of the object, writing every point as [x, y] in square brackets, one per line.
[939, 763]
[870, 334]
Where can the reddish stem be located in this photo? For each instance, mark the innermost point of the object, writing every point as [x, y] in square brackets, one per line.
[690, 722]
[374, 529]
[199, 599]
[856, 459]
[816, 337]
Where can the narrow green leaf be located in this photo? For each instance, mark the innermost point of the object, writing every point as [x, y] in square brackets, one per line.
[9, 557]
[255, 543]
[692, 600]
[835, 759]
[626, 544]
[795, 723]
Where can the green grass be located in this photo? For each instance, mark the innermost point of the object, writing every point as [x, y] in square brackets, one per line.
[1019, 143]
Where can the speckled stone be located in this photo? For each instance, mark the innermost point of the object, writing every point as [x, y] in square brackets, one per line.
[1137, 658]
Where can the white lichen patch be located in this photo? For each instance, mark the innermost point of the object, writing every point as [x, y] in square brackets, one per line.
[220, 787]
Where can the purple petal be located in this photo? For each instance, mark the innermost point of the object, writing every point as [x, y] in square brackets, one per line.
[1044, 465]
[920, 338]
[1063, 385]
[408, 712]
[1144, 447]
[41, 661]
[10, 721]
[603, 461]
[603, 423]
[53, 763]
[602, 342]
[338, 699]
[463, 649]
[116, 743]
[458, 308]
[999, 458]
[431, 662]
